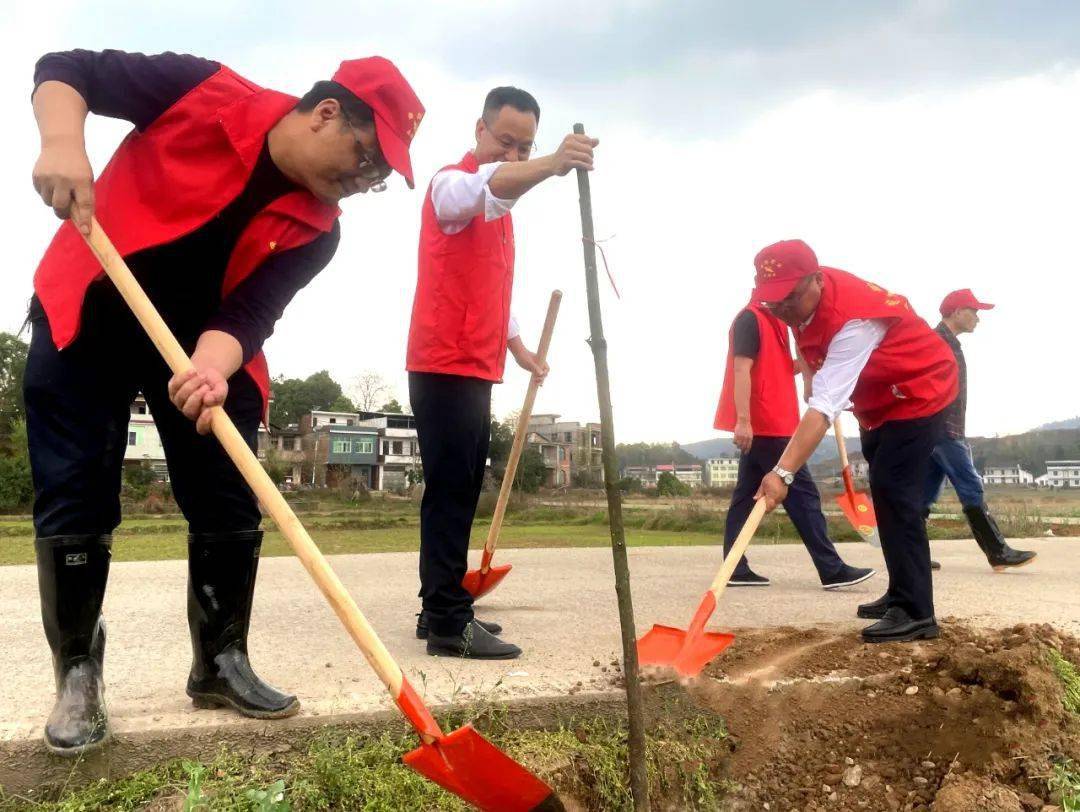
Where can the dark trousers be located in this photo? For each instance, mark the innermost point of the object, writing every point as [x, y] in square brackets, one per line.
[77, 407]
[453, 425]
[899, 455]
[803, 505]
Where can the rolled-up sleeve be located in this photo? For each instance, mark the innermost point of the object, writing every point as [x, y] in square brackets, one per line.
[459, 196]
[848, 353]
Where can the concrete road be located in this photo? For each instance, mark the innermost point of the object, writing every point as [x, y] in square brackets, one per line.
[558, 604]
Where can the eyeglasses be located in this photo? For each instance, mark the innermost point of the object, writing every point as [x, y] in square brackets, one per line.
[788, 301]
[523, 149]
[370, 167]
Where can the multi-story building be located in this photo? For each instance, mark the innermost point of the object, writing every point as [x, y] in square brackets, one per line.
[721, 471]
[287, 446]
[645, 474]
[1063, 473]
[586, 454]
[690, 473]
[399, 448]
[1007, 475]
[143, 440]
[556, 456]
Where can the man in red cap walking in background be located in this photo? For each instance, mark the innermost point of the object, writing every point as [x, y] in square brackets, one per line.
[223, 200]
[461, 329]
[952, 454]
[760, 406]
[868, 350]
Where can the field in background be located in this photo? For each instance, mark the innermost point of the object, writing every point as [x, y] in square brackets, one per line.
[385, 523]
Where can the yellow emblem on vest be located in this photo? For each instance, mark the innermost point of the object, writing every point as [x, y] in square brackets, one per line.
[273, 244]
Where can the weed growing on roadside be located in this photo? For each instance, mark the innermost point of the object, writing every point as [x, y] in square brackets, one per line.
[1066, 780]
[1069, 675]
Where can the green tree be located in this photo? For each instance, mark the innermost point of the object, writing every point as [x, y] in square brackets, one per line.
[391, 407]
[275, 467]
[137, 480]
[502, 437]
[295, 397]
[16, 486]
[12, 367]
[667, 484]
[530, 473]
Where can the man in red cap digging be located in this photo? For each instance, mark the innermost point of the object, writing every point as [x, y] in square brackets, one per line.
[223, 200]
[760, 405]
[460, 332]
[870, 351]
[952, 454]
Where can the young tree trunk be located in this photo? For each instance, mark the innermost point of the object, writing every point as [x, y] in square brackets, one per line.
[639, 781]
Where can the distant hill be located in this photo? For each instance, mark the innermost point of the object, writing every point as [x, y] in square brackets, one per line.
[1071, 423]
[1030, 450]
[725, 447]
[651, 454]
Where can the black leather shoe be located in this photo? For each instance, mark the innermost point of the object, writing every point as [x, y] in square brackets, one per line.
[221, 587]
[422, 626]
[748, 578]
[875, 610]
[72, 573]
[934, 565]
[474, 643]
[897, 626]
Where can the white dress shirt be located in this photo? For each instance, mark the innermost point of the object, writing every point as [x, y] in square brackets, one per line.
[459, 196]
[848, 353]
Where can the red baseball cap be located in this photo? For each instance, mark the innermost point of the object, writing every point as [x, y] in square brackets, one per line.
[779, 268]
[961, 298]
[378, 83]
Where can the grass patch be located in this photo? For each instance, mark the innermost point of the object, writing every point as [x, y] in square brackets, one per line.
[1069, 675]
[583, 757]
[1065, 780]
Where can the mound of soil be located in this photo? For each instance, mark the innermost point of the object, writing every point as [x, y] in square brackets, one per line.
[819, 720]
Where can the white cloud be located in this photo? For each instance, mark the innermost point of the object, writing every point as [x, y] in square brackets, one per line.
[953, 186]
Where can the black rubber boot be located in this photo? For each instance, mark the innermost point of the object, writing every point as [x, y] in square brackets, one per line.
[221, 586]
[422, 626]
[989, 538]
[474, 643]
[72, 573]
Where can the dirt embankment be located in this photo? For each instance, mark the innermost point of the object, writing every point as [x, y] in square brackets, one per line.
[820, 721]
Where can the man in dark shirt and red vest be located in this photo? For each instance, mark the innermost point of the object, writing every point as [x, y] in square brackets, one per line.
[461, 328]
[868, 349]
[760, 405]
[223, 200]
[952, 454]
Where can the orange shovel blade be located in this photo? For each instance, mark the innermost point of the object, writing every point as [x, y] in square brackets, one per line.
[478, 583]
[859, 511]
[471, 767]
[685, 652]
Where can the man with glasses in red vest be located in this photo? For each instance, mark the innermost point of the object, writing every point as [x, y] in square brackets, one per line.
[952, 454]
[224, 202]
[460, 332]
[760, 405]
[870, 351]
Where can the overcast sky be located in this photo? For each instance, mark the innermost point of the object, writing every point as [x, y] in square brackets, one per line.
[926, 146]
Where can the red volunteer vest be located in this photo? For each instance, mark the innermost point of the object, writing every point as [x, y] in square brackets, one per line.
[461, 309]
[170, 179]
[911, 374]
[774, 402]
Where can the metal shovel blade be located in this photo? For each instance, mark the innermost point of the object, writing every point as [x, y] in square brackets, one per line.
[478, 583]
[471, 767]
[859, 511]
[685, 652]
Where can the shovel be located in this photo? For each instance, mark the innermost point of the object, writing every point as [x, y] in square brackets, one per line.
[856, 505]
[462, 762]
[690, 651]
[482, 581]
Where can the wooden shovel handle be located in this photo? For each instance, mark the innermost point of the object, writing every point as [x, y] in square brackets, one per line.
[742, 541]
[254, 474]
[841, 446]
[520, 432]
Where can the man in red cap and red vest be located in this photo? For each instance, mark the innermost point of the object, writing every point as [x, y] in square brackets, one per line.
[870, 351]
[461, 328]
[952, 454]
[760, 405]
[223, 200]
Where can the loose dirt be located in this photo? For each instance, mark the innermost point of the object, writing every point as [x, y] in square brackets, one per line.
[819, 720]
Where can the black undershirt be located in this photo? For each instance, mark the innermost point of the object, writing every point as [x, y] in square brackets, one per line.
[746, 341]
